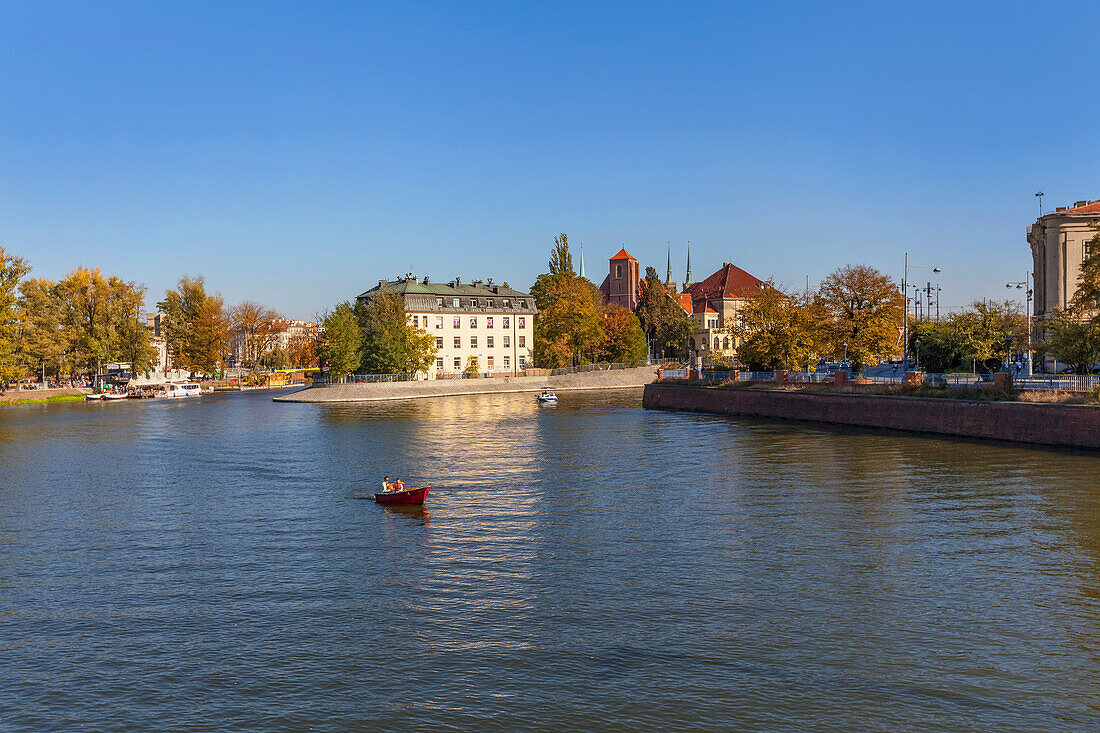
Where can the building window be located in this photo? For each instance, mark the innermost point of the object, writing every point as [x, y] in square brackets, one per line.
[726, 342]
[522, 362]
[523, 304]
[488, 342]
[458, 342]
[489, 304]
[507, 362]
[439, 364]
[489, 322]
[457, 322]
[507, 303]
[716, 343]
[521, 322]
[456, 303]
[473, 342]
[473, 323]
[438, 322]
[521, 342]
[473, 302]
[439, 302]
[618, 272]
[507, 322]
[439, 342]
[489, 363]
[507, 341]
[458, 362]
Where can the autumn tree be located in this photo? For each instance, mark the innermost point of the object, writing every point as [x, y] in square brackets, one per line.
[624, 340]
[568, 325]
[981, 331]
[340, 348]
[12, 270]
[392, 345]
[196, 326]
[865, 309]
[130, 339]
[473, 367]
[779, 330]
[255, 325]
[663, 320]
[303, 350]
[43, 340]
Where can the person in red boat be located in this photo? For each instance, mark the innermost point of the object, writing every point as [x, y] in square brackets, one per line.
[398, 485]
[386, 485]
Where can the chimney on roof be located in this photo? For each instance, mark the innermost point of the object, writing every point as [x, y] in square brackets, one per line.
[489, 280]
[425, 279]
[1079, 203]
[1059, 208]
[381, 283]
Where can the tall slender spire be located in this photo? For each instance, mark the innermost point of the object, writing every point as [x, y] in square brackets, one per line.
[581, 273]
[668, 273]
[687, 281]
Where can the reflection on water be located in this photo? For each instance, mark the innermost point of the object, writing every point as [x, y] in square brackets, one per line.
[221, 563]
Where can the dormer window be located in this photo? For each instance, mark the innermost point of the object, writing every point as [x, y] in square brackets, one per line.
[507, 303]
[473, 302]
[439, 302]
[489, 304]
[523, 304]
[455, 302]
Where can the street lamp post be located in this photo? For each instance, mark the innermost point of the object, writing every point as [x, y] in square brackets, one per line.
[1029, 294]
[916, 359]
[905, 296]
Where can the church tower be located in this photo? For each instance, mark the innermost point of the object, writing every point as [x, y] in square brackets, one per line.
[687, 281]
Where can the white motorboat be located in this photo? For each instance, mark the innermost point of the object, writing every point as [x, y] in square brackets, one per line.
[547, 395]
[181, 389]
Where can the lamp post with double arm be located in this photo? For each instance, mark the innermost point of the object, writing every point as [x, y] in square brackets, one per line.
[1029, 294]
[905, 318]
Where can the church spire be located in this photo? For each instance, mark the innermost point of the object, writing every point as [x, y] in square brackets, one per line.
[668, 273]
[581, 273]
[688, 282]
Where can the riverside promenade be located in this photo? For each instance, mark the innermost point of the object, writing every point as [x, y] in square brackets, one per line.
[378, 391]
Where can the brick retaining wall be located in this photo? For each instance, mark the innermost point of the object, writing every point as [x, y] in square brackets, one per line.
[1045, 424]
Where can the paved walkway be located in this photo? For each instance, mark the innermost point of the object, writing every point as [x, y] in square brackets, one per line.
[611, 379]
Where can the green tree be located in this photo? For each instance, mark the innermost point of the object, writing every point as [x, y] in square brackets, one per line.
[981, 331]
[624, 340]
[392, 345]
[131, 341]
[12, 270]
[865, 309]
[341, 343]
[473, 367]
[663, 320]
[196, 326]
[778, 330]
[1073, 339]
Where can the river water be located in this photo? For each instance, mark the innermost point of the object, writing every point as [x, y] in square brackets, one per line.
[209, 564]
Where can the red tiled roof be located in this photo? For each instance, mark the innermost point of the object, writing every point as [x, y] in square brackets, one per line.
[710, 310]
[685, 302]
[729, 282]
[1092, 207]
[622, 254]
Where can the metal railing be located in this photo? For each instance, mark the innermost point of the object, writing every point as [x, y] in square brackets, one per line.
[1065, 382]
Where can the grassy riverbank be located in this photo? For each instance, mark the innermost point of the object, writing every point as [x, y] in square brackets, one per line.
[52, 399]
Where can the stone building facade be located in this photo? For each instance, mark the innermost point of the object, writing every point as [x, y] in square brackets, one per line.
[1060, 241]
[491, 322]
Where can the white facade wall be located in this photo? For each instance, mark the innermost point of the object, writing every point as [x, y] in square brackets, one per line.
[501, 340]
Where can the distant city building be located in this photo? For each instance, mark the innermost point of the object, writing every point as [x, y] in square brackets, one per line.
[283, 336]
[1060, 241]
[714, 303]
[622, 285]
[491, 322]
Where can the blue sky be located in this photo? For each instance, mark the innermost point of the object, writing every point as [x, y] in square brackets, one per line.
[296, 153]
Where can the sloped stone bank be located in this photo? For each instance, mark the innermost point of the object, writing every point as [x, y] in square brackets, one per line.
[1042, 424]
[611, 379]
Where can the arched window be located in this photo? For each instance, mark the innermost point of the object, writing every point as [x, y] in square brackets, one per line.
[618, 271]
[693, 343]
[726, 342]
[716, 343]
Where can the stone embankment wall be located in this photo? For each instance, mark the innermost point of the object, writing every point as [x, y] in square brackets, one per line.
[610, 379]
[1044, 424]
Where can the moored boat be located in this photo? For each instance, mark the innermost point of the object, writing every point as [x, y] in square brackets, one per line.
[407, 496]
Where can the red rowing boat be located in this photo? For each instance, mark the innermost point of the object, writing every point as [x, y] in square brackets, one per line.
[408, 496]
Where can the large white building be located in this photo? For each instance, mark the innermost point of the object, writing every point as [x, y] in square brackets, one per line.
[1060, 241]
[493, 323]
